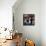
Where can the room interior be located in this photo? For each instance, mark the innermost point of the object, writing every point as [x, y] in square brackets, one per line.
[15, 27]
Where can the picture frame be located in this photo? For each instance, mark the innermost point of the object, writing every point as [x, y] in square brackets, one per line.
[28, 19]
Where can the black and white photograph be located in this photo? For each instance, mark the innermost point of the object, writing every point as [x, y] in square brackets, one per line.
[28, 19]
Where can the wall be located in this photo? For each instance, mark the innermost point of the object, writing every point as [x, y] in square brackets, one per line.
[6, 13]
[43, 22]
[30, 32]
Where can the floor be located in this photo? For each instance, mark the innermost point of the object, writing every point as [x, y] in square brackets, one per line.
[9, 43]
[16, 41]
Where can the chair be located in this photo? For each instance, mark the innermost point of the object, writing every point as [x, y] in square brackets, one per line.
[18, 37]
[29, 43]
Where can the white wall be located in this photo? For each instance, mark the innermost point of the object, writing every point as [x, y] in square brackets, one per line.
[29, 7]
[43, 22]
[6, 13]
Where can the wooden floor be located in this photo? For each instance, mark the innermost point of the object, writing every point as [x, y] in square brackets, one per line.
[16, 41]
[9, 43]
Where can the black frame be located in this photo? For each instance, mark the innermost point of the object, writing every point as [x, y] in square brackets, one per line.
[28, 19]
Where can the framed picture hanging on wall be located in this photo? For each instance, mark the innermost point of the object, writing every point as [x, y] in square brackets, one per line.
[28, 19]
